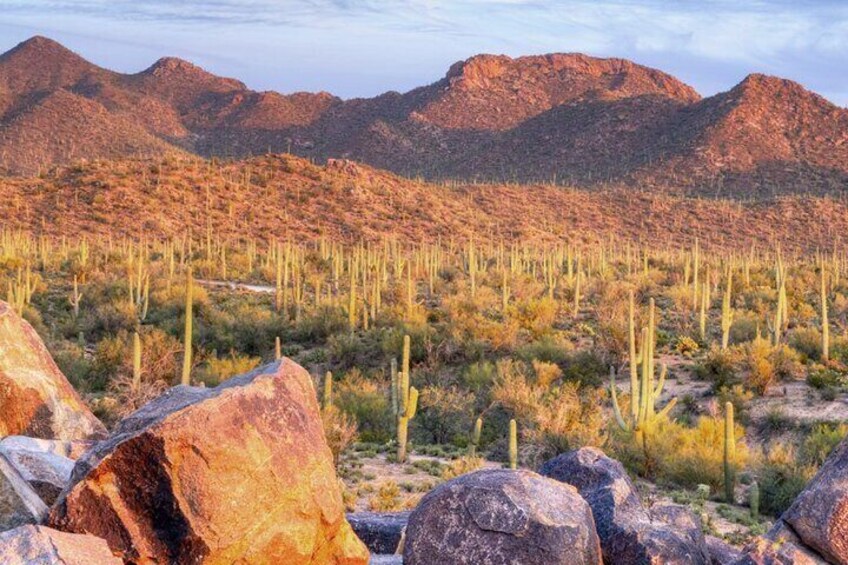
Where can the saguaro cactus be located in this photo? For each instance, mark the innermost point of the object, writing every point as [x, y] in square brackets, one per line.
[513, 444]
[729, 453]
[475, 437]
[824, 317]
[754, 500]
[136, 379]
[726, 311]
[408, 397]
[328, 390]
[189, 307]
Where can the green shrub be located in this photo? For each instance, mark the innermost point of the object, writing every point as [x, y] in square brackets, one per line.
[781, 479]
[807, 342]
[718, 367]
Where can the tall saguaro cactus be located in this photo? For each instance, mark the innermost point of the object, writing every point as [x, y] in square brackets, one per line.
[408, 398]
[189, 325]
[824, 317]
[729, 453]
[643, 393]
[513, 445]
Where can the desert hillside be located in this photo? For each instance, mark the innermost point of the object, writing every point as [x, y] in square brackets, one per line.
[570, 119]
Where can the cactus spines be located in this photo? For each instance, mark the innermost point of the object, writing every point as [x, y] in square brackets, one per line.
[754, 500]
[475, 437]
[729, 453]
[513, 444]
[328, 390]
[136, 377]
[189, 306]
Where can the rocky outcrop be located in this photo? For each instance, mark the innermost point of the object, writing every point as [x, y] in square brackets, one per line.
[502, 516]
[721, 552]
[380, 531]
[628, 532]
[19, 503]
[237, 473]
[45, 464]
[819, 515]
[37, 545]
[35, 397]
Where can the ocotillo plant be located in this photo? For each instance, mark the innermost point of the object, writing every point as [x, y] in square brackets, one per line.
[729, 453]
[189, 323]
[513, 444]
[475, 437]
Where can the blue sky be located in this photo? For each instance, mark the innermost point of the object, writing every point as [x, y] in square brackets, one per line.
[365, 47]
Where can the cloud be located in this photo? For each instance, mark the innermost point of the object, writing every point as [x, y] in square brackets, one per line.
[361, 47]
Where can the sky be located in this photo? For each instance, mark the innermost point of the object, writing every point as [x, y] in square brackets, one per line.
[356, 48]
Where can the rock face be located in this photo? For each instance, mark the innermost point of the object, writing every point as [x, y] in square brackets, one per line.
[819, 515]
[37, 545]
[502, 516]
[380, 531]
[19, 503]
[45, 464]
[628, 532]
[721, 553]
[236, 474]
[35, 397]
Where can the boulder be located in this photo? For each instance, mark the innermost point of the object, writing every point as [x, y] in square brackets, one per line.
[819, 515]
[44, 463]
[19, 503]
[240, 473]
[502, 516]
[37, 545]
[386, 560]
[721, 552]
[380, 531]
[765, 551]
[627, 530]
[35, 397]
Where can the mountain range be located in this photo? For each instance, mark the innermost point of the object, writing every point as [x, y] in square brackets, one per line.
[562, 118]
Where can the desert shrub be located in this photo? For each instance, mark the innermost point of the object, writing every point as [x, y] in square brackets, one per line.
[586, 367]
[743, 329]
[550, 349]
[546, 373]
[317, 326]
[445, 414]
[480, 376]
[339, 430]
[535, 316]
[824, 378]
[682, 455]
[807, 342]
[551, 420]
[739, 397]
[686, 346]
[718, 367]
[220, 369]
[366, 401]
[822, 440]
[461, 466]
[781, 478]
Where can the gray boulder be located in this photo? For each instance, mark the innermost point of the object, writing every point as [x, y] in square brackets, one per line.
[19, 503]
[37, 545]
[627, 530]
[721, 552]
[495, 517]
[45, 464]
[819, 515]
[380, 531]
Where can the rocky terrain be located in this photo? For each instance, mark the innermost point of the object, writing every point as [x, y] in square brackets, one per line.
[562, 118]
[242, 473]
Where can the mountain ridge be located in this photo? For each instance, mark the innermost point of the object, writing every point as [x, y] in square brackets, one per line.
[562, 117]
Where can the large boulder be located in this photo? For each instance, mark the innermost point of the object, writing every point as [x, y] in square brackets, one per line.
[19, 503]
[37, 545]
[380, 531]
[240, 473]
[627, 530]
[721, 552]
[35, 397]
[819, 515]
[500, 517]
